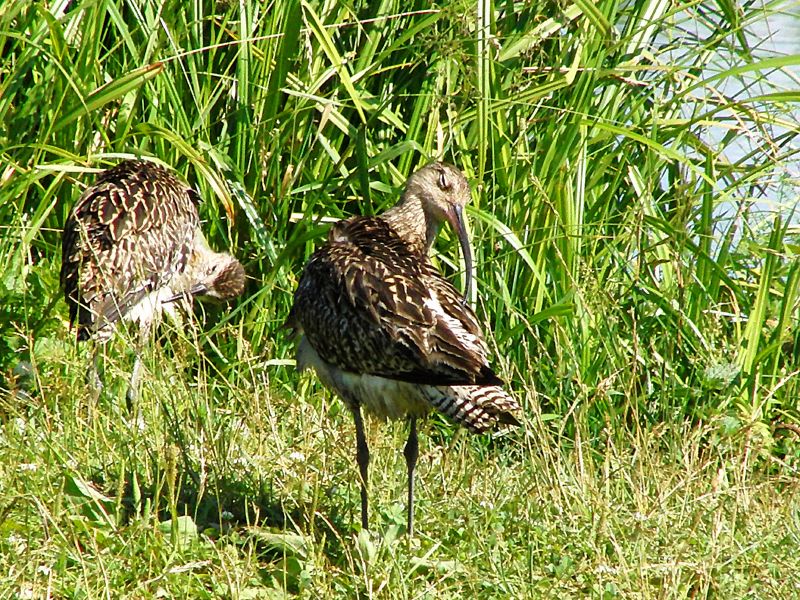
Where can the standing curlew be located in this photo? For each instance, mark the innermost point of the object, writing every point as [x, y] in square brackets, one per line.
[132, 246]
[384, 330]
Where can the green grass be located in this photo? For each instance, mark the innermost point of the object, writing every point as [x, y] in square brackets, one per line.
[638, 282]
[671, 511]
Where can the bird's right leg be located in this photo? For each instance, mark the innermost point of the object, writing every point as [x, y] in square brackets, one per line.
[93, 372]
[132, 393]
[411, 452]
[362, 457]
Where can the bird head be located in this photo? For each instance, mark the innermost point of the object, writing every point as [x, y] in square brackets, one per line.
[443, 192]
[222, 278]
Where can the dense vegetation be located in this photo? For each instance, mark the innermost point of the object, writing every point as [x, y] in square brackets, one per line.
[635, 248]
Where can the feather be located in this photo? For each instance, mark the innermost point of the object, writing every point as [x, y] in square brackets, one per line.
[133, 233]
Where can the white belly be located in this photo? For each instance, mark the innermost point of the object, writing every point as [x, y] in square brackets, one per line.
[147, 313]
[382, 397]
[150, 308]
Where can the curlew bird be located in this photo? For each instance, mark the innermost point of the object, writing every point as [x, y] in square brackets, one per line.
[384, 330]
[132, 247]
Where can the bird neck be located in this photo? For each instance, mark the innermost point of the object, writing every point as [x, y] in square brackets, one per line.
[410, 221]
[199, 256]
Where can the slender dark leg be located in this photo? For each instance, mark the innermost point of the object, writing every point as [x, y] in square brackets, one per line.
[362, 457]
[411, 452]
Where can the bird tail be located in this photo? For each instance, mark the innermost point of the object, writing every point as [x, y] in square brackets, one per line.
[478, 408]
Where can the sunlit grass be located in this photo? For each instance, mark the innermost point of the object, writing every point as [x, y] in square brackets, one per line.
[270, 481]
[640, 302]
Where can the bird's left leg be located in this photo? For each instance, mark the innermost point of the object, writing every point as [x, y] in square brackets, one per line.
[411, 452]
[362, 457]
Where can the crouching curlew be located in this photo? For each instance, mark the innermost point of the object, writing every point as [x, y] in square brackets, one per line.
[132, 247]
[384, 330]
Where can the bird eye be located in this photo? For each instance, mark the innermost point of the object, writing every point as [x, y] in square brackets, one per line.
[443, 183]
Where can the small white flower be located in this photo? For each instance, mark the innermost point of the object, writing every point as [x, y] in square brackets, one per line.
[297, 456]
[640, 517]
[226, 515]
[194, 451]
[137, 424]
[43, 570]
[17, 541]
[605, 570]
[28, 467]
[25, 592]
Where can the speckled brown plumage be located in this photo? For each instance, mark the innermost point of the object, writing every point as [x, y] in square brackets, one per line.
[134, 233]
[384, 329]
[131, 248]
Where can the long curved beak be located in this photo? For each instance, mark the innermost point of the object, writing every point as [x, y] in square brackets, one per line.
[456, 218]
[175, 298]
[199, 289]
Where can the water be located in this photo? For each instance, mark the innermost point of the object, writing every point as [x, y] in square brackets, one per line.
[756, 142]
[777, 34]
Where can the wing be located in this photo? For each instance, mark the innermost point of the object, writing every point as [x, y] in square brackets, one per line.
[381, 309]
[126, 236]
